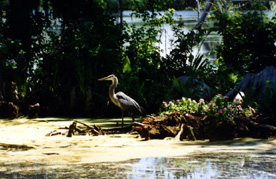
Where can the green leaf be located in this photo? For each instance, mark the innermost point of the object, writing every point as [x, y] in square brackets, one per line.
[176, 83]
[126, 65]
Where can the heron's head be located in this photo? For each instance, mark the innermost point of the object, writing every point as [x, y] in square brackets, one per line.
[109, 77]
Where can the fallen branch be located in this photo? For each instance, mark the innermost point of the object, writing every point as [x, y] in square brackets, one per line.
[53, 133]
[254, 128]
[186, 132]
[255, 124]
[138, 124]
[142, 129]
[178, 136]
[266, 126]
[94, 129]
[71, 130]
[83, 124]
[191, 132]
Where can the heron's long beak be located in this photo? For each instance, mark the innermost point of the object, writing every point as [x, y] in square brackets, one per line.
[104, 78]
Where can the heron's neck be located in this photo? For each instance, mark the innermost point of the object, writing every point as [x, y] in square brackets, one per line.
[112, 88]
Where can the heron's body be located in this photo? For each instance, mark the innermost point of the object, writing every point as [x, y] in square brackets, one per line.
[122, 100]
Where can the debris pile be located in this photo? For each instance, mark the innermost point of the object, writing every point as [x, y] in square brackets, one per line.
[177, 124]
[185, 126]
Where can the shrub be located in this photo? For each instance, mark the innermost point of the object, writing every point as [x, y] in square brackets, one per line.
[219, 109]
[248, 45]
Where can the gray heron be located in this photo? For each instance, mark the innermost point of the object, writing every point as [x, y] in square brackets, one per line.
[120, 99]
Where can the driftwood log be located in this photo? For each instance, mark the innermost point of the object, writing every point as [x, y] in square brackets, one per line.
[256, 127]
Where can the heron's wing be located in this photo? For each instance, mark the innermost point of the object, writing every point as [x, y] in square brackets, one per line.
[128, 103]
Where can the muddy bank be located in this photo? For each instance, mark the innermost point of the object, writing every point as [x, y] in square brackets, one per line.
[25, 140]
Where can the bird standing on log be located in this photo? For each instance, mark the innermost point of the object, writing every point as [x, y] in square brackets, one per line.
[122, 100]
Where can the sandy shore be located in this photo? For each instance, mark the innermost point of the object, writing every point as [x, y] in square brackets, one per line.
[24, 140]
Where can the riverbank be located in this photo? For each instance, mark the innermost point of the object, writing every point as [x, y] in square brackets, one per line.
[24, 140]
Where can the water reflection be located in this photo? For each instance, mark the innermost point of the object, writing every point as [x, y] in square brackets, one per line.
[170, 169]
[207, 166]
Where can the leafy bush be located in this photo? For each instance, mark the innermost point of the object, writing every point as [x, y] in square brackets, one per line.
[181, 59]
[217, 115]
[186, 105]
[73, 61]
[60, 57]
[219, 109]
[266, 103]
[142, 77]
[188, 89]
[248, 45]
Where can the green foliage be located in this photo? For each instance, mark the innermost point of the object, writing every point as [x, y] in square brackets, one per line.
[126, 65]
[20, 34]
[73, 60]
[145, 82]
[151, 5]
[68, 51]
[11, 52]
[219, 109]
[248, 99]
[53, 57]
[186, 105]
[251, 5]
[188, 89]
[248, 45]
[159, 4]
[182, 60]
[267, 102]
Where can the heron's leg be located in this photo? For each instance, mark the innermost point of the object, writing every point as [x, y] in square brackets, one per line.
[123, 118]
[133, 119]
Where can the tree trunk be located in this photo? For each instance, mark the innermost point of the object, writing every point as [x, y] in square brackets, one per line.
[121, 12]
[205, 13]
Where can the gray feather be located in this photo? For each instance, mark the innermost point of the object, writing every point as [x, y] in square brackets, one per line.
[129, 104]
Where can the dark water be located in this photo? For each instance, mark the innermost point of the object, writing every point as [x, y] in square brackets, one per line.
[215, 165]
